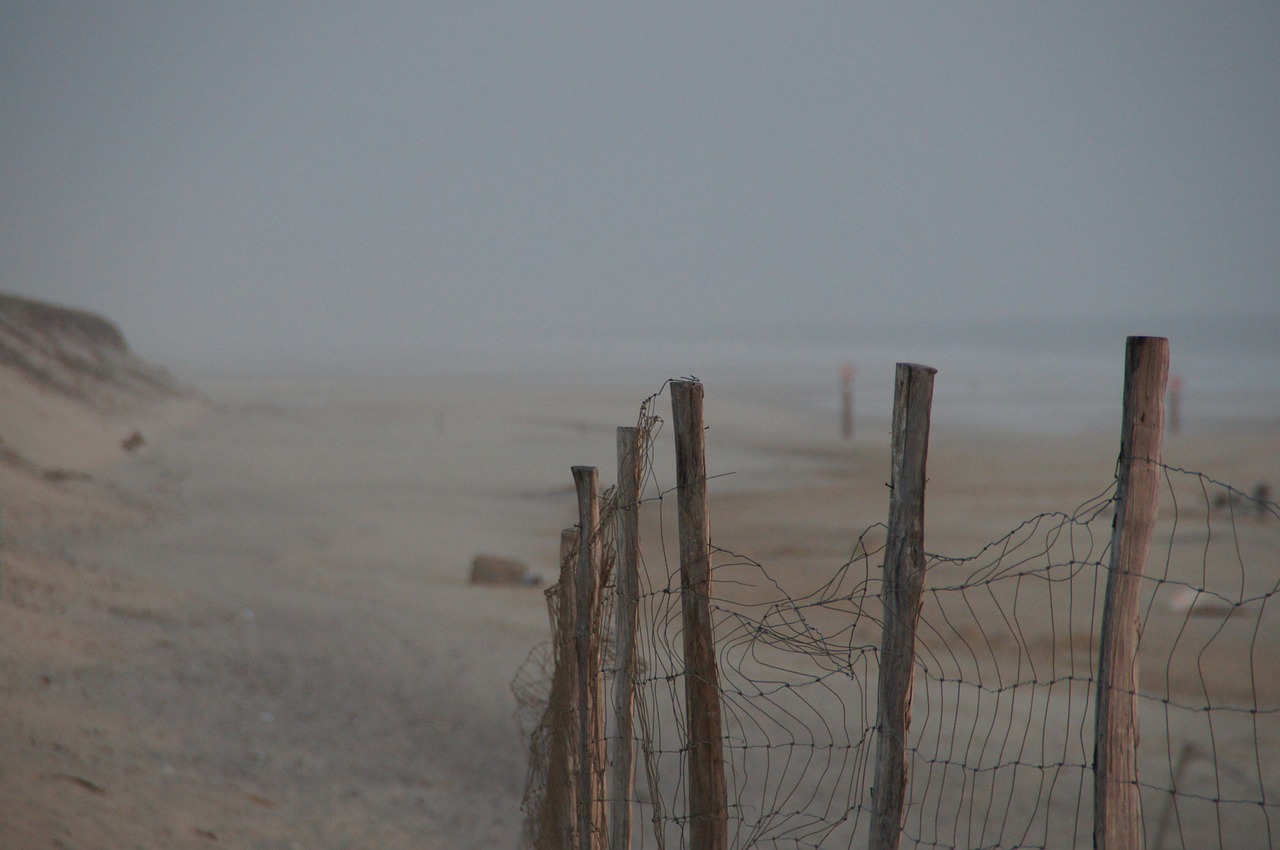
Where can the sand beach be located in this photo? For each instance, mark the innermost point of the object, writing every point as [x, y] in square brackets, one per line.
[255, 628]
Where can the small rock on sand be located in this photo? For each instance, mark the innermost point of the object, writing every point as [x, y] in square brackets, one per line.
[491, 569]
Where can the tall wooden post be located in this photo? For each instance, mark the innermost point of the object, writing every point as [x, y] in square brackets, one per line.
[1117, 805]
[590, 785]
[626, 606]
[557, 820]
[708, 801]
[901, 595]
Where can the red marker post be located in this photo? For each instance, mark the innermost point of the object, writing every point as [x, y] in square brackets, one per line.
[847, 374]
[1175, 404]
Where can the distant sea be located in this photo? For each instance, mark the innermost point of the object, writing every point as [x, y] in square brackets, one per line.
[1042, 374]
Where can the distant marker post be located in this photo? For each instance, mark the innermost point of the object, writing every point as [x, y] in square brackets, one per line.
[1175, 404]
[847, 374]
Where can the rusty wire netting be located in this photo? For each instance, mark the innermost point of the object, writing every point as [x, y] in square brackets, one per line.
[1001, 744]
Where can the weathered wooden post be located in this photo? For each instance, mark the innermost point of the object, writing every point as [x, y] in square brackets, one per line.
[626, 607]
[590, 785]
[557, 818]
[1117, 804]
[901, 594]
[707, 796]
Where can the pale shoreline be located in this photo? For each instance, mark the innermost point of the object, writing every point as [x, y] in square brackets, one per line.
[259, 627]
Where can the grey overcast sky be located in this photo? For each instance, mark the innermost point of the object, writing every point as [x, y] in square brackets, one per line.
[242, 181]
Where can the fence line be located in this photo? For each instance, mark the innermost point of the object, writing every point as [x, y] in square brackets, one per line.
[1001, 749]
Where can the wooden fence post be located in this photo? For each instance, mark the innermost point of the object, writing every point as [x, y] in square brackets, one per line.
[590, 785]
[708, 801]
[1117, 804]
[626, 607]
[901, 594]
[557, 818]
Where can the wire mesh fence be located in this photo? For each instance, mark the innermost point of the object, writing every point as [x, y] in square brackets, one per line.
[1001, 745]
